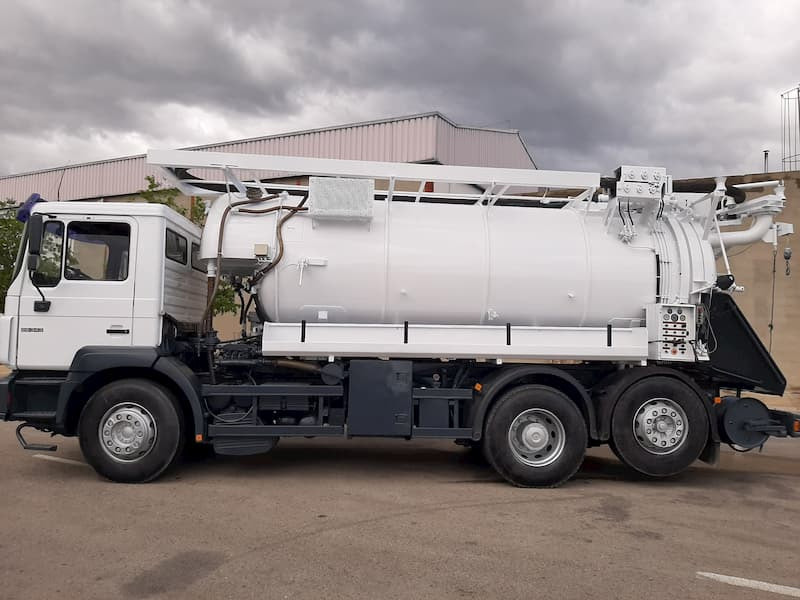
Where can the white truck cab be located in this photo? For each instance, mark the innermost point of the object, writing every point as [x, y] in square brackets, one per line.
[108, 274]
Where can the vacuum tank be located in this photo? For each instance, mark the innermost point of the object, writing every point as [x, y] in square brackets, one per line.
[446, 264]
[459, 265]
[350, 256]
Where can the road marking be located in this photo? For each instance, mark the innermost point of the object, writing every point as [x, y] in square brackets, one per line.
[753, 584]
[66, 461]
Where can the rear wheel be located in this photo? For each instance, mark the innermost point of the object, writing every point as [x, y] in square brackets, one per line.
[131, 430]
[535, 436]
[659, 426]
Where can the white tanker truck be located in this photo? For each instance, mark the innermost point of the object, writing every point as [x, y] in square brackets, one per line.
[525, 314]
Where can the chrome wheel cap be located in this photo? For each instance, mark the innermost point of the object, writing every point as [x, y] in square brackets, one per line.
[536, 437]
[127, 432]
[660, 426]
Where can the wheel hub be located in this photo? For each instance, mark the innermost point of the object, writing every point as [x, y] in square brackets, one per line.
[127, 432]
[660, 426]
[536, 437]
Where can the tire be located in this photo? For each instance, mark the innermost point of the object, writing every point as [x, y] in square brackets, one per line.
[659, 453]
[535, 436]
[145, 436]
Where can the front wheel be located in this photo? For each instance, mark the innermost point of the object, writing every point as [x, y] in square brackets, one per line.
[535, 436]
[131, 430]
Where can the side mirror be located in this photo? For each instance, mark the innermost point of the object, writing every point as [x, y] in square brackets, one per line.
[35, 232]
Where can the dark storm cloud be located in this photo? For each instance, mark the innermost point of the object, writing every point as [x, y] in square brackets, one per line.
[693, 86]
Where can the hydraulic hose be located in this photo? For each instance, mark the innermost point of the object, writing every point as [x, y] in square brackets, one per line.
[213, 294]
[706, 187]
[259, 275]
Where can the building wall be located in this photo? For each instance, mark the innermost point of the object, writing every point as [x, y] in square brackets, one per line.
[429, 137]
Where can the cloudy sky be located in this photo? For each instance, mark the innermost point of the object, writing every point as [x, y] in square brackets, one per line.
[694, 86]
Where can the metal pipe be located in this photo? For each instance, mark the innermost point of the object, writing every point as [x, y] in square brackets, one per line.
[758, 185]
[757, 230]
[297, 365]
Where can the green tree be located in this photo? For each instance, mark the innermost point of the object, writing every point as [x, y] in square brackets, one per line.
[155, 193]
[10, 235]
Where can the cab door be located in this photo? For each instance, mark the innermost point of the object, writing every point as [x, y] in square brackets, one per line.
[86, 273]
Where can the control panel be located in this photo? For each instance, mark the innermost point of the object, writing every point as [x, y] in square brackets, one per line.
[672, 330]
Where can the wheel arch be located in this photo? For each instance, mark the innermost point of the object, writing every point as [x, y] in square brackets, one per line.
[94, 367]
[505, 379]
[607, 393]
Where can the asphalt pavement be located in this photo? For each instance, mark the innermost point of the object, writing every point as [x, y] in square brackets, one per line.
[394, 519]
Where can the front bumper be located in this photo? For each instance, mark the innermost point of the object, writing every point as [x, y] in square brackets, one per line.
[32, 399]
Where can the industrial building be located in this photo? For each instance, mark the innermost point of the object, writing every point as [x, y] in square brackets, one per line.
[422, 138]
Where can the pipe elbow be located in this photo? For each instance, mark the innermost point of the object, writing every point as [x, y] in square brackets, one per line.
[759, 228]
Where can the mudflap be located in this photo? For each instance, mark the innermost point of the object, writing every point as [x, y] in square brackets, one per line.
[710, 454]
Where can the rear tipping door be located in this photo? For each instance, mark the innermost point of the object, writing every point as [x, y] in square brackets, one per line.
[86, 272]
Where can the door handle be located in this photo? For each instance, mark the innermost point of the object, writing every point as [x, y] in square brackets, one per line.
[118, 331]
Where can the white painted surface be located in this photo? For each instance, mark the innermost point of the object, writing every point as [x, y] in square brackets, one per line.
[448, 264]
[8, 338]
[752, 584]
[453, 341]
[328, 167]
[6, 325]
[184, 288]
[82, 311]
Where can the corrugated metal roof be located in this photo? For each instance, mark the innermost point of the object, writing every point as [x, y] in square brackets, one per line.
[427, 137]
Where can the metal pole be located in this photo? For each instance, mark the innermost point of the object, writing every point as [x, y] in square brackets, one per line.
[786, 166]
[788, 121]
[766, 161]
[783, 134]
[797, 134]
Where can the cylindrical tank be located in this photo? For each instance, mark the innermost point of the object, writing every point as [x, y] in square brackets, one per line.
[449, 264]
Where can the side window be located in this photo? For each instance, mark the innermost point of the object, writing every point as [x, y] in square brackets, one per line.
[176, 247]
[197, 264]
[48, 273]
[98, 251]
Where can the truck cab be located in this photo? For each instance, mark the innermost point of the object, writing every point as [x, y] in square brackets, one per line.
[107, 275]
